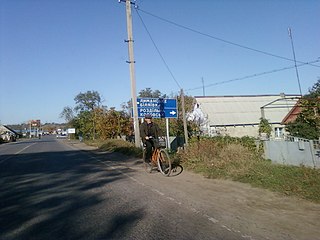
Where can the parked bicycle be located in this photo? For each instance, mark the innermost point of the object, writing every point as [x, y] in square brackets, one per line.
[160, 159]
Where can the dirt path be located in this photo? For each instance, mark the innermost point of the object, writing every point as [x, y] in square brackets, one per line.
[257, 213]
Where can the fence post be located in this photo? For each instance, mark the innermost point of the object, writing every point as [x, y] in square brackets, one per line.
[313, 154]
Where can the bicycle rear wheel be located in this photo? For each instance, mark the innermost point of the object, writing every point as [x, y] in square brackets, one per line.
[164, 162]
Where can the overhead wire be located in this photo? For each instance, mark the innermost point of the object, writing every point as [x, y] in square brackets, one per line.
[252, 75]
[156, 47]
[220, 39]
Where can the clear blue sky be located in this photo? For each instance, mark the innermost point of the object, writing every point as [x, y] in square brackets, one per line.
[51, 50]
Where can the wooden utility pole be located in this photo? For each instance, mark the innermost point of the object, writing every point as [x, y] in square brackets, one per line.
[184, 118]
[132, 75]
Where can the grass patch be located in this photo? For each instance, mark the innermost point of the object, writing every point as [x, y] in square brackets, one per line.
[290, 180]
[241, 162]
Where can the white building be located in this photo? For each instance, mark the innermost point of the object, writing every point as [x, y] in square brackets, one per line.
[7, 134]
[239, 116]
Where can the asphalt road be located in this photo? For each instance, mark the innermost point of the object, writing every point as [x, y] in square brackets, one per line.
[52, 190]
[59, 189]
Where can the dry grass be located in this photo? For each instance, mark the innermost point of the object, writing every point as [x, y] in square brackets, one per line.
[218, 160]
[234, 161]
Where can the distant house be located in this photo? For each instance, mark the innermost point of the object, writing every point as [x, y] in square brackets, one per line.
[239, 116]
[311, 103]
[292, 115]
[7, 134]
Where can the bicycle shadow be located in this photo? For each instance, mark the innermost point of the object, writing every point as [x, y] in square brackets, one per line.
[176, 170]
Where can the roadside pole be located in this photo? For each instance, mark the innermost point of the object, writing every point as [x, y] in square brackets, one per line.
[30, 128]
[132, 75]
[168, 137]
[184, 118]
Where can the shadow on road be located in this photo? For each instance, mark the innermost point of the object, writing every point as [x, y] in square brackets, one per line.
[58, 195]
[115, 157]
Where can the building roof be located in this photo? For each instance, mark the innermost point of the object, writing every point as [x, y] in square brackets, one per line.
[246, 109]
[4, 129]
[293, 114]
[296, 110]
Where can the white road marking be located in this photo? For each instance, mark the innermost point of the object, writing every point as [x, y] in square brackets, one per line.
[16, 153]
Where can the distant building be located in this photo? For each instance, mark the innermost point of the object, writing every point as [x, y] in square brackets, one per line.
[239, 116]
[7, 134]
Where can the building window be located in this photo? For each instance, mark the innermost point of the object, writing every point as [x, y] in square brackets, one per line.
[278, 132]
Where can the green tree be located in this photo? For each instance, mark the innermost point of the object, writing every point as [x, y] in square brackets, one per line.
[307, 124]
[83, 123]
[314, 91]
[265, 127]
[92, 120]
[112, 123]
[87, 101]
[302, 129]
[151, 94]
[68, 114]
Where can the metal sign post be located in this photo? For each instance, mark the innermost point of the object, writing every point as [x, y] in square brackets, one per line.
[168, 140]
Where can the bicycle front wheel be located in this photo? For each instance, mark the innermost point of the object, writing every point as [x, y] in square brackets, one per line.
[164, 162]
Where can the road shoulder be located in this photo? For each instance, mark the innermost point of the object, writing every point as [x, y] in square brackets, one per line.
[237, 206]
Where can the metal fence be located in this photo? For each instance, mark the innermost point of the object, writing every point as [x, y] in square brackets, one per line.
[294, 151]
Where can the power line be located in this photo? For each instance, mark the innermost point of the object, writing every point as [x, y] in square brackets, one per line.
[253, 75]
[225, 41]
[154, 44]
[222, 40]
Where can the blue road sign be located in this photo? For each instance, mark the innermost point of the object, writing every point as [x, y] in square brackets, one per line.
[157, 107]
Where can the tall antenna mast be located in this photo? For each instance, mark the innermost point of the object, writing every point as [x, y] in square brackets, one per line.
[295, 62]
